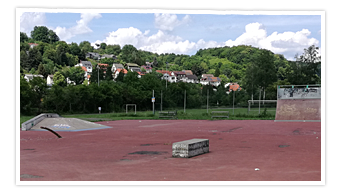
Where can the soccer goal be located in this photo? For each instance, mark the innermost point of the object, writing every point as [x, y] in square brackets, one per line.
[257, 105]
[130, 106]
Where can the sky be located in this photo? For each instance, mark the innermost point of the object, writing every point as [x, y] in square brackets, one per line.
[169, 31]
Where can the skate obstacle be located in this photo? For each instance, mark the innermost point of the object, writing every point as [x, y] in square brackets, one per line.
[298, 103]
[190, 148]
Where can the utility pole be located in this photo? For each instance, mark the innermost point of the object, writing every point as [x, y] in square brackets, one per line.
[161, 101]
[185, 92]
[153, 101]
[260, 102]
[233, 100]
[207, 100]
[166, 85]
[98, 74]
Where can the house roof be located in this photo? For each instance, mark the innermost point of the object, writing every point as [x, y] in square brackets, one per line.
[33, 44]
[87, 63]
[120, 69]
[234, 87]
[51, 76]
[132, 64]
[207, 75]
[84, 68]
[179, 72]
[118, 65]
[194, 77]
[146, 67]
[164, 71]
[187, 72]
[214, 79]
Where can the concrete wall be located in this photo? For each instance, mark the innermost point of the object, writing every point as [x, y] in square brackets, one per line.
[30, 123]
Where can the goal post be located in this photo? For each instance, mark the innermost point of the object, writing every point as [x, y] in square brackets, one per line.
[259, 102]
[130, 105]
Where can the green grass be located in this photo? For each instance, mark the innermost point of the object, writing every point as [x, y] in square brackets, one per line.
[189, 114]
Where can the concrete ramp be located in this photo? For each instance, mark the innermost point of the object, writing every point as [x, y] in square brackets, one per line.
[67, 124]
[298, 103]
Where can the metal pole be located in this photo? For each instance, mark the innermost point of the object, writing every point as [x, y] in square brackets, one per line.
[161, 101]
[185, 91]
[260, 102]
[233, 100]
[98, 75]
[153, 103]
[207, 100]
[166, 85]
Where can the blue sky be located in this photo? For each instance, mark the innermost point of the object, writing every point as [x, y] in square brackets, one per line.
[184, 33]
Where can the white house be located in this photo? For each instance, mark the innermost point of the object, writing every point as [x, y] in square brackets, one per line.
[49, 80]
[87, 65]
[29, 77]
[116, 66]
[204, 80]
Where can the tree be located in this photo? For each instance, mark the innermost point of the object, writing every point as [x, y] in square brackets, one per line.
[86, 46]
[24, 62]
[103, 46]
[113, 49]
[217, 72]
[26, 97]
[74, 49]
[42, 33]
[59, 79]
[41, 70]
[263, 71]
[52, 36]
[75, 74]
[39, 87]
[108, 74]
[61, 50]
[34, 58]
[23, 37]
[120, 77]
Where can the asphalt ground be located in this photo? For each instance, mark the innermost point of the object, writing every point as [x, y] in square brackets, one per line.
[141, 150]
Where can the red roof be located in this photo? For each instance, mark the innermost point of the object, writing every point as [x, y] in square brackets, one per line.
[124, 70]
[164, 71]
[84, 68]
[234, 87]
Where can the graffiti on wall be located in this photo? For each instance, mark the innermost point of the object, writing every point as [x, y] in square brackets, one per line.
[299, 93]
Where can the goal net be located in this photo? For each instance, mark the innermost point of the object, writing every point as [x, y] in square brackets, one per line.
[131, 108]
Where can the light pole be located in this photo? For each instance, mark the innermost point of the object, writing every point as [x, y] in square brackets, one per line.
[166, 85]
[98, 74]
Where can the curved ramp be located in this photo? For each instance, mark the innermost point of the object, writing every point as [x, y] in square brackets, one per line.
[67, 124]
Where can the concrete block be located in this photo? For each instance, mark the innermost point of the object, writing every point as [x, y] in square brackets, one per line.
[190, 148]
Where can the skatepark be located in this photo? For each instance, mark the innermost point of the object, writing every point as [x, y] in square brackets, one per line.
[287, 149]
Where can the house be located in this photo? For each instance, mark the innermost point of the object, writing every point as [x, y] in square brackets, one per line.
[116, 73]
[49, 80]
[133, 69]
[103, 67]
[93, 55]
[191, 79]
[204, 80]
[108, 56]
[180, 76]
[32, 45]
[233, 87]
[131, 65]
[147, 68]
[116, 66]
[215, 81]
[187, 72]
[29, 77]
[149, 64]
[87, 65]
[166, 75]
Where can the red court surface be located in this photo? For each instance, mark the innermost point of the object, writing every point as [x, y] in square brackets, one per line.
[134, 150]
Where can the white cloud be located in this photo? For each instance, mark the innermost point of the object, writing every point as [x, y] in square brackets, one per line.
[161, 42]
[81, 27]
[167, 22]
[29, 20]
[286, 43]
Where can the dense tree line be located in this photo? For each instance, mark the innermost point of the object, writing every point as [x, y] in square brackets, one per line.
[252, 68]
